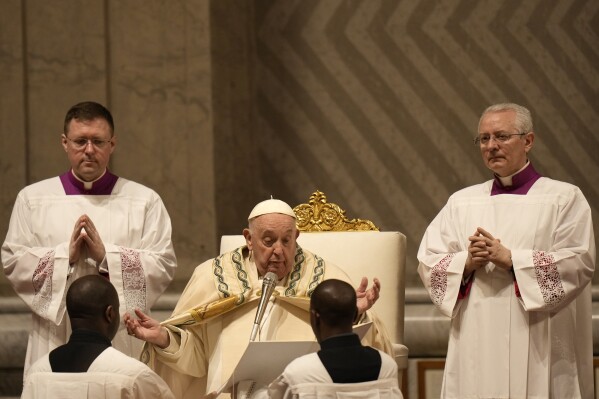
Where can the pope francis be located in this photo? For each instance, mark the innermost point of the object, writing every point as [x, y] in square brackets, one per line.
[197, 349]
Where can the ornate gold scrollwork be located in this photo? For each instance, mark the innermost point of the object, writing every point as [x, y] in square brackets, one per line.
[320, 215]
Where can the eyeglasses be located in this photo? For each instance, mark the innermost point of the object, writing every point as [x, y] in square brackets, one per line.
[82, 143]
[484, 139]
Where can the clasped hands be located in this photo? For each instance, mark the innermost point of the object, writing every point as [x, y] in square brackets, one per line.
[85, 236]
[485, 248]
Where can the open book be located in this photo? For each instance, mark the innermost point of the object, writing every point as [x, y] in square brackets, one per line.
[263, 361]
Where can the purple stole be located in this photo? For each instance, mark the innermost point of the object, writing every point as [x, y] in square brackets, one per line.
[102, 186]
[521, 182]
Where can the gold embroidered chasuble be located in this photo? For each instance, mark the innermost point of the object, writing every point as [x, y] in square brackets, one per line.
[211, 324]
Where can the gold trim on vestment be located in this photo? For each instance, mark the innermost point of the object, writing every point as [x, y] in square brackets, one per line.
[203, 313]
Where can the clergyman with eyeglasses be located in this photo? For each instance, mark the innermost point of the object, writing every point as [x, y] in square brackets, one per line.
[510, 261]
[86, 221]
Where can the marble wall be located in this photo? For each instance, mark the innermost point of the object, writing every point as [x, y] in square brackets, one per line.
[376, 102]
[220, 103]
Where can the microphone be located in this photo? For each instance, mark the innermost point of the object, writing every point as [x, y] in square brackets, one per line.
[268, 286]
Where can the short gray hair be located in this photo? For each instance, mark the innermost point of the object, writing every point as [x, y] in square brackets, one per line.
[523, 120]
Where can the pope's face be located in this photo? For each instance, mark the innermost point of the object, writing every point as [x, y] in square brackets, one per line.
[272, 240]
[504, 158]
[89, 162]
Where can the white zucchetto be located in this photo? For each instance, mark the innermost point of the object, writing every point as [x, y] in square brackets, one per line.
[271, 206]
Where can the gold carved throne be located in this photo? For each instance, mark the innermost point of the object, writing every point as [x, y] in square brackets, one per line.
[320, 215]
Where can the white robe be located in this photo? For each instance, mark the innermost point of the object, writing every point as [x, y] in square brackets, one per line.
[538, 345]
[308, 369]
[135, 229]
[111, 375]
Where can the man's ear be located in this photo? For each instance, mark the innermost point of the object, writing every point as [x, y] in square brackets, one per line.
[248, 238]
[112, 143]
[315, 324]
[529, 141]
[109, 313]
[63, 140]
[315, 315]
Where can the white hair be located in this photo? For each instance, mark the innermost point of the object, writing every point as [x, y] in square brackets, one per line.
[523, 120]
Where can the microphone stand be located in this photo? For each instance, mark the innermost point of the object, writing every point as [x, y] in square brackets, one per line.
[268, 286]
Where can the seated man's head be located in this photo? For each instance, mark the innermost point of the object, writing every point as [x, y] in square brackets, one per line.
[332, 309]
[271, 237]
[93, 304]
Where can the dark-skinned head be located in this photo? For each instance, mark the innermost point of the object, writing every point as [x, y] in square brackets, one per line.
[332, 309]
[93, 304]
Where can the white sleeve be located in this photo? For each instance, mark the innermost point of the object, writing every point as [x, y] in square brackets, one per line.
[149, 385]
[141, 274]
[37, 274]
[552, 275]
[442, 259]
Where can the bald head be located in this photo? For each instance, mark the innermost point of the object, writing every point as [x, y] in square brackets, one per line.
[93, 303]
[333, 308]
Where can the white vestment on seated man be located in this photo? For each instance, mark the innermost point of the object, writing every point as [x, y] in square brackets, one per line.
[309, 370]
[503, 344]
[111, 375]
[204, 352]
[135, 229]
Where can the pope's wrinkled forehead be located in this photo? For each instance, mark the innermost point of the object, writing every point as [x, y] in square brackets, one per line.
[273, 222]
